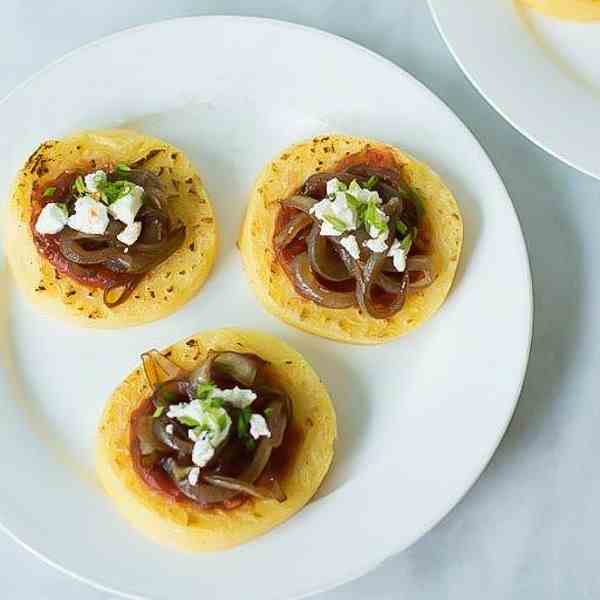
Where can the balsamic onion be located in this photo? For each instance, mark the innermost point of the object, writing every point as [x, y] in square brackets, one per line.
[307, 285]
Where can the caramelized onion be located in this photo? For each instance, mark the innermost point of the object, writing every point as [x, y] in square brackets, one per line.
[159, 368]
[323, 259]
[423, 265]
[178, 440]
[307, 285]
[366, 283]
[143, 429]
[239, 486]
[242, 367]
[261, 457]
[303, 203]
[292, 229]
[124, 290]
[202, 493]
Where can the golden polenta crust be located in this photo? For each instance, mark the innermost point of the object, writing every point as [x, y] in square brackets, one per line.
[284, 176]
[182, 524]
[167, 287]
[574, 10]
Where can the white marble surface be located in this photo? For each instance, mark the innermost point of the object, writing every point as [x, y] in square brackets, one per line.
[529, 527]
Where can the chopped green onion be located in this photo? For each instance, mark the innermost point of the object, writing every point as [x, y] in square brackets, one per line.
[80, 185]
[188, 421]
[123, 168]
[401, 228]
[336, 223]
[250, 444]
[159, 411]
[168, 396]
[243, 423]
[353, 201]
[268, 411]
[407, 241]
[371, 182]
[113, 190]
[374, 218]
[203, 390]
[49, 191]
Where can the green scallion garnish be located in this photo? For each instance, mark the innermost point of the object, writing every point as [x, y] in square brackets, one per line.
[159, 411]
[80, 185]
[371, 182]
[49, 191]
[336, 223]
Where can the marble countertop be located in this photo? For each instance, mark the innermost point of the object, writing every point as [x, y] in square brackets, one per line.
[528, 528]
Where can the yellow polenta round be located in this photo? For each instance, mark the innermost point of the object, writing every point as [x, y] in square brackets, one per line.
[575, 10]
[284, 176]
[182, 524]
[166, 287]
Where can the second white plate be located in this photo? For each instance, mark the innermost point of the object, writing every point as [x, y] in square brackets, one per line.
[541, 74]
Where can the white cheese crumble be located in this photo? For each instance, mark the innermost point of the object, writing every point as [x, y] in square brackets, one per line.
[337, 215]
[90, 216]
[130, 234]
[258, 427]
[52, 218]
[126, 207]
[398, 254]
[203, 451]
[378, 244]
[240, 398]
[169, 428]
[351, 245]
[194, 475]
[364, 194]
[215, 422]
[93, 180]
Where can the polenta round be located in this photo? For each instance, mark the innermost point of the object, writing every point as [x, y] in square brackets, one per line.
[161, 291]
[183, 524]
[284, 177]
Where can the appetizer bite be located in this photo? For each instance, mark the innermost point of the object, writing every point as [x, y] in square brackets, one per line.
[572, 10]
[109, 228]
[216, 440]
[351, 239]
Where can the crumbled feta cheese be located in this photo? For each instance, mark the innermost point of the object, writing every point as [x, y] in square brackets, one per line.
[130, 234]
[237, 397]
[90, 216]
[202, 451]
[351, 245]
[379, 244]
[215, 422]
[169, 428]
[258, 427]
[335, 185]
[126, 207]
[363, 194]
[52, 218]
[93, 180]
[187, 410]
[398, 254]
[194, 475]
[336, 215]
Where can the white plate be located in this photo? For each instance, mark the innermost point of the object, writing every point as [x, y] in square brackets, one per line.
[418, 418]
[541, 74]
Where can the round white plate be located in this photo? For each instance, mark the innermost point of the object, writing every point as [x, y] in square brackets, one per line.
[541, 74]
[418, 418]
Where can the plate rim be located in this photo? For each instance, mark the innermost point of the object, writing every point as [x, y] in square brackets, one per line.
[524, 259]
[505, 113]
